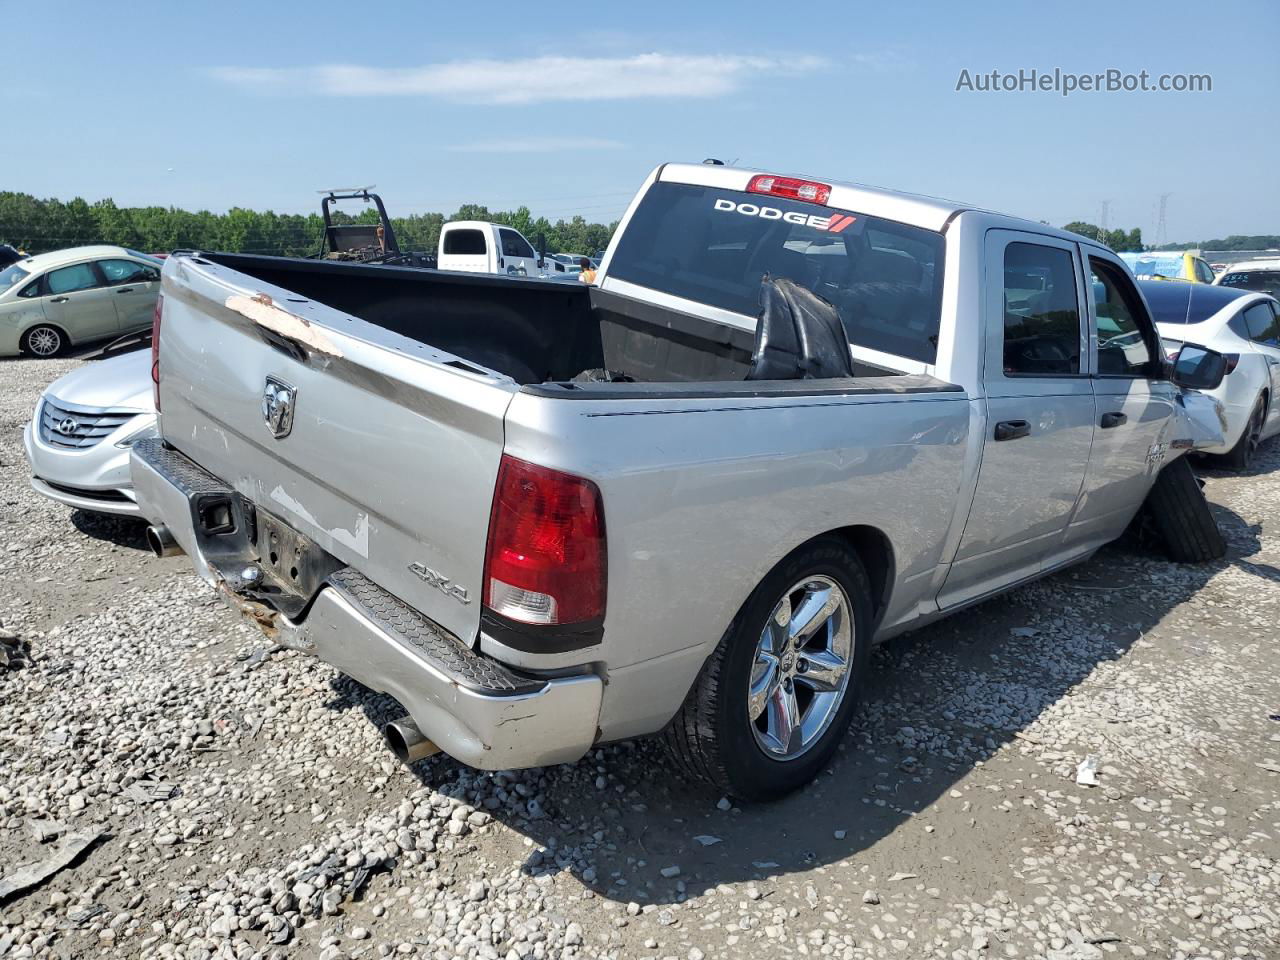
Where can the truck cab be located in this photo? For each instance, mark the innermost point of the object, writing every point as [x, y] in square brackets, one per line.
[474, 246]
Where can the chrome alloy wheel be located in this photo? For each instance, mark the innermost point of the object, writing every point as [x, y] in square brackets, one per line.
[801, 668]
[44, 341]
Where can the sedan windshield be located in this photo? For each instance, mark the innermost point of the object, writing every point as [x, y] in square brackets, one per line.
[12, 275]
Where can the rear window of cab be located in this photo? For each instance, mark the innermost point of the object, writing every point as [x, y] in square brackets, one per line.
[715, 246]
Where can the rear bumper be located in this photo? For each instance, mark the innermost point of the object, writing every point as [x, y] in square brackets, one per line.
[474, 708]
[10, 339]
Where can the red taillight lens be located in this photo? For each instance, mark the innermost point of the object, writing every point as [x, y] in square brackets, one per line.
[1233, 360]
[155, 351]
[545, 561]
[789, 187]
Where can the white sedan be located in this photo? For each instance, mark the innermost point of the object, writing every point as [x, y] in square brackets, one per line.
[1245, 326]
[79, 436]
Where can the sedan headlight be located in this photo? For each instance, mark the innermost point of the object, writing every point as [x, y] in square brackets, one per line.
[144, 432]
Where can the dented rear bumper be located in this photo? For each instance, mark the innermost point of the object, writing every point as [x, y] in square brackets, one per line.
[474, 708]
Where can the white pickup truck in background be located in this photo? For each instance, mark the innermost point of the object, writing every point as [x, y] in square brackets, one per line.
[474, 246]
[792, 419]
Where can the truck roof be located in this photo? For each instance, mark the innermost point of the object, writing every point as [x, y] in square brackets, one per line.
[475, 225]
[931, 213]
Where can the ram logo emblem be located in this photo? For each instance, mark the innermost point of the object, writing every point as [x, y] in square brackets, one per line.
[278, 400]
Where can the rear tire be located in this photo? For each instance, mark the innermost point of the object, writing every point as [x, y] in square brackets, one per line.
[714, 737]
[1180, 516]
[43, 341]
[1240, 456]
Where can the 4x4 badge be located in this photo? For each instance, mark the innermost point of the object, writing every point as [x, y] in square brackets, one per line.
[440, 582]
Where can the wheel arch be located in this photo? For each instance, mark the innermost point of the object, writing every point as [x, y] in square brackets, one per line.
[875, 550]
[66, 337]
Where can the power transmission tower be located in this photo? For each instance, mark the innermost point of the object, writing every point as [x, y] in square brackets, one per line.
[1160, 220]
[1102, 221]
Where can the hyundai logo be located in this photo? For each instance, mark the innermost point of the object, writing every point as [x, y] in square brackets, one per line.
[278, 399]
[68, 426]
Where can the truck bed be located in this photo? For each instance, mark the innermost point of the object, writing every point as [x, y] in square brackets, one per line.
[533, 331]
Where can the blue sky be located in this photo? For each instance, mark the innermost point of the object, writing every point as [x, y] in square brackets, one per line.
[565, 107]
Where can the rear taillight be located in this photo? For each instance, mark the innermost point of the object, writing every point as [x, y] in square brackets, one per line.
[155, 351]
[1233, 360]
[789, 187]
[545, 560]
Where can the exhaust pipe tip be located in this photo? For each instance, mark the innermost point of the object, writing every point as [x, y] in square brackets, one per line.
[161, 541]
[406, 740]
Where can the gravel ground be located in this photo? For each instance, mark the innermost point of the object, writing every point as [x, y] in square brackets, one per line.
[248, 809]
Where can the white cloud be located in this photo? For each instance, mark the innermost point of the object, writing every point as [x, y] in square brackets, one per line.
[536, 145]
[530, 80]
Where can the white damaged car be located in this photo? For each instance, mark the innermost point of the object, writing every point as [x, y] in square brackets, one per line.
[1244, 326]
[78, 440]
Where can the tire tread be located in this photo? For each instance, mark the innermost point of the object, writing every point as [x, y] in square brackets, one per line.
[1180, 515]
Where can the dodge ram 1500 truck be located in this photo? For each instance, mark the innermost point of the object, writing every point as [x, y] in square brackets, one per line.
[792, 419]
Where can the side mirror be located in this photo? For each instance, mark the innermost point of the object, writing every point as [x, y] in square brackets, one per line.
[1198, 368]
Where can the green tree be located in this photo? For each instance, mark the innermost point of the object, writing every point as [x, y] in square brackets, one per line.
[1118, 240]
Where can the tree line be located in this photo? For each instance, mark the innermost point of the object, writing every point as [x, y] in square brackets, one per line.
[1237, 241]
[38, 225]
[1122, 241]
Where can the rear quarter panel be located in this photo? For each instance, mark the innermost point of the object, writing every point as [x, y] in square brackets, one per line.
[17, 316]
[703, 497]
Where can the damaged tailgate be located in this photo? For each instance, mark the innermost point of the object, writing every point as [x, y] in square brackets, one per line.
[380, 449]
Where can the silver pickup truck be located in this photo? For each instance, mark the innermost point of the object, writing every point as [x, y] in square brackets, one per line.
[792, 419]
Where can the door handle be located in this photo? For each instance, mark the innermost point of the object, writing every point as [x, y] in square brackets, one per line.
[1110, 420]
[59, 299]
[125, 290]
[1012, 429]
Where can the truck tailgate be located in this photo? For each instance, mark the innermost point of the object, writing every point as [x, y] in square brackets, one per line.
[393, 452]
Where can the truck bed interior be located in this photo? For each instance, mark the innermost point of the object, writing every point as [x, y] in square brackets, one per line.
[534, 331]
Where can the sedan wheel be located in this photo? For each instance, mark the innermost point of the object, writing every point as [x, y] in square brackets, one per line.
[44, 341]
[1241, 455]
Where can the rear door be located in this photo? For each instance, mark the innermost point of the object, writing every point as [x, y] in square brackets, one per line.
[1039, 407]
[1264, 335]
[134, 287]
[77, 299]
[1135, 404]
[392, 456]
